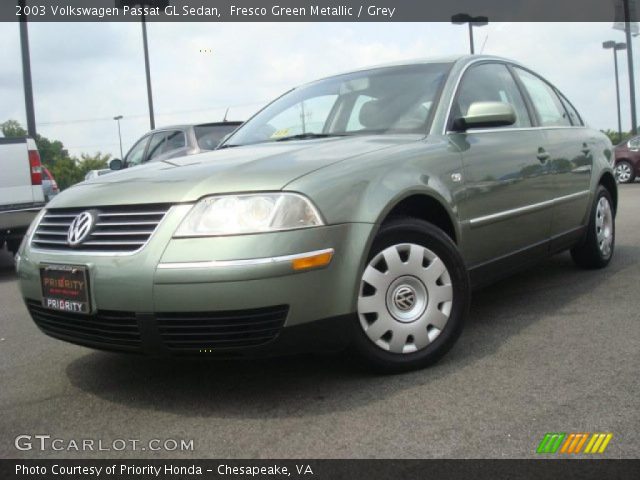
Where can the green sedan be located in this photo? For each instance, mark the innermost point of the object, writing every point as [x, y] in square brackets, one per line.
[356, 211]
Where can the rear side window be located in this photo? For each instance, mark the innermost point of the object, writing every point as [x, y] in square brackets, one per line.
[490, 82]
[175, 140]
[164, 142]
[574, 116]
[210, 136]
[550, 110]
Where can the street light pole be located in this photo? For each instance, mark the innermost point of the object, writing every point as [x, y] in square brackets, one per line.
[152, 121]
[632, 87]
[117, 119]
[161, 5]
[462, 18]
[26, 75]
[615, 46]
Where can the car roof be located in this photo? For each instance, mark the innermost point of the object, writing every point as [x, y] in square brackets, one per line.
[460, 59]
[189, 125]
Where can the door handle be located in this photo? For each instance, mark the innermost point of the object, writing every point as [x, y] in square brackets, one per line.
[543, 155]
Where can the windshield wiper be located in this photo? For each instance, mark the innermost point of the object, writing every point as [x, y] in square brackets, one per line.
[303, 136]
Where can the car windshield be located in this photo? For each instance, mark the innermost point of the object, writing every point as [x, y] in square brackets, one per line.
[209, 136]
[383, 100]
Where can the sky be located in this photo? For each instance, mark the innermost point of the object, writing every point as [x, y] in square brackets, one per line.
[84, 74]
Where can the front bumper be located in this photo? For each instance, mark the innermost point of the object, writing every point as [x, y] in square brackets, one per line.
[19, 217]
[180, 295]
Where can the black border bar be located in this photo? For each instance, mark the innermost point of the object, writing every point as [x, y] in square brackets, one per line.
[333, 469]
[316, 10]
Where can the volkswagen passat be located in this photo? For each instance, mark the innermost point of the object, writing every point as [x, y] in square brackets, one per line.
[356, 210]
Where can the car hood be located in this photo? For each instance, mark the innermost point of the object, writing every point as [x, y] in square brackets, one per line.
[263, 167]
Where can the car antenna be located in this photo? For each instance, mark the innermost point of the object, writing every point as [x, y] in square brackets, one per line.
[225, 115]
[484, 43]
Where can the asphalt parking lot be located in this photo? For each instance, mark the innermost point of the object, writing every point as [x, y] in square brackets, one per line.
[553, 349]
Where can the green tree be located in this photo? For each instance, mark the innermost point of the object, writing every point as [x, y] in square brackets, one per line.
[50, 150]
[66, 172]
[11, 128]
[97, 161]
[615, 138]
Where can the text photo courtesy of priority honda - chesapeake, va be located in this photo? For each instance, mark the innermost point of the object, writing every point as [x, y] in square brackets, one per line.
[319, 239]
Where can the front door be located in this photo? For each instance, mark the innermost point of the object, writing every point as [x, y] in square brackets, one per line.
[507, 206]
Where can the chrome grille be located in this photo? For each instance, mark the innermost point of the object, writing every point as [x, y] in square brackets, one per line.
[117, 229]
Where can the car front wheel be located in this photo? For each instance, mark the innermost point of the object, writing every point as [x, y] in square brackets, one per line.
[624, 172]
[413, 298]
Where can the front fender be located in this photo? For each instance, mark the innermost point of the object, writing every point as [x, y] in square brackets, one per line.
[367, 188]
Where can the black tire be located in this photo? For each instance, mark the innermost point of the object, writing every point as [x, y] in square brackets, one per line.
[632, 172]
[402, 230]
[588, 253]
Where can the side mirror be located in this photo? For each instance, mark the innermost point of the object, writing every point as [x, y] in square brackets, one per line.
[486, 115]
[116, 164]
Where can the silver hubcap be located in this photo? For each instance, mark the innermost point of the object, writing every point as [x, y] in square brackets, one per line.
[405, 298]
[623, 172]
[604, 227]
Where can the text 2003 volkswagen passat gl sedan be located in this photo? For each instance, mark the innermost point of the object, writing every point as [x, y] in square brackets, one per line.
[360, 209]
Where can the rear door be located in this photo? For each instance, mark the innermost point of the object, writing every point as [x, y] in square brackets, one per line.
[506, 207]
[568, 144]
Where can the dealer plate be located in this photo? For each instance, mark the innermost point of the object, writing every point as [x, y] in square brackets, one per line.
[65, 288]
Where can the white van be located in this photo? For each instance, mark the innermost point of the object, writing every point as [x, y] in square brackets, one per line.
[21, 194]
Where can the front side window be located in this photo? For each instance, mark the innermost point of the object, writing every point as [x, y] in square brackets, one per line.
[550, 110]
[384, 100]
[634, 143]
[175, 140]
[490, 82]
[136, 154]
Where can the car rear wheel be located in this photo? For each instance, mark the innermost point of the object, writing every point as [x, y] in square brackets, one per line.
[624, 172]
[413, 298]
[597, 248]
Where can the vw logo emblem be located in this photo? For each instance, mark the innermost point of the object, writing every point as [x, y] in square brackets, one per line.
[80, 228]
[404, 298]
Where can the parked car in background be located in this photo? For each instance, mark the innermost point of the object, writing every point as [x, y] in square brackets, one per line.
[628, 160]
[171, 142]
[49, 184]
[367, 220]
[21, 194]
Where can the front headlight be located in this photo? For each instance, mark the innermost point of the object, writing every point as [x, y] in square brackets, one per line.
[249, 213]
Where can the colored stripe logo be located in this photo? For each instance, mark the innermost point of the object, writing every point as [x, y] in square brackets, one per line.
[573, 443]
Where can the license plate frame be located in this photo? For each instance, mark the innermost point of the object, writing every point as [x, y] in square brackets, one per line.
[65, 288]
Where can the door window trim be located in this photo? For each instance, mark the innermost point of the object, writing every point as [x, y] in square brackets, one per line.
[525, 99]
[509, 65]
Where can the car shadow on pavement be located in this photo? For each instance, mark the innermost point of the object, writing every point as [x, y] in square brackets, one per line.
[312, 385]
[7, 266]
